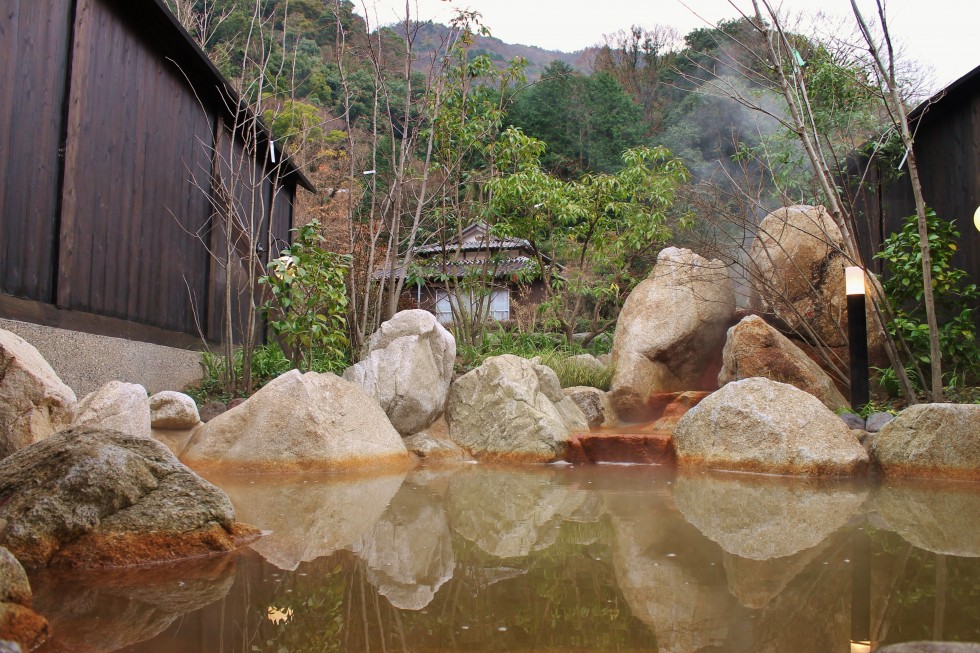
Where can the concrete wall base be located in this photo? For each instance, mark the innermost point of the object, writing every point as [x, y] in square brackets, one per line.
[85, 361]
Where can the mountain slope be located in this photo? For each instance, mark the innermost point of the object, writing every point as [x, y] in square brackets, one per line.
[430, 36]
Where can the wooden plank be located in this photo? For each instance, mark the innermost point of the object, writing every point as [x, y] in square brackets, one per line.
[970, 254]
[192, 216]
[71, 246]
[142, 96]
[10, 260]
[125, 232]
[100, 148]
[30, 134]
[216, 272]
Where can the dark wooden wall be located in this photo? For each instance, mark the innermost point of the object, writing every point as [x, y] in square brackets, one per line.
[33, 60]
[106, 196]
[948, 152]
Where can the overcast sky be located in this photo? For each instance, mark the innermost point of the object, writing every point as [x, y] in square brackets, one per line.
[943, 34]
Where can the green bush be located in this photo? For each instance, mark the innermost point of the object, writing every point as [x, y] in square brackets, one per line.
[308, 303]
[497, 343]
[573, 373]
[552, 348]
[955, 299]
[268, 362]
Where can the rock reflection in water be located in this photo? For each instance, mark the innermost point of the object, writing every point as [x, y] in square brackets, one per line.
[510, 513]
[107, 610]
[813, 612]
[765, 517]
[785, 553]
[551, 559]
[408, 551]
[941, 518]
[757, 582]
[672, 577]
[308, 516]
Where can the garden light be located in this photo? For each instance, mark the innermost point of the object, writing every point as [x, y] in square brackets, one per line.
[854, 280]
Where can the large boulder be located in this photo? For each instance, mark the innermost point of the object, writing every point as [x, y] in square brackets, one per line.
[95, 498]
[797, 272]
[511, 408]
[173, 411]
[931, 441]
[34, 403]
[174, 418]
[758, 425]
[18, 621]
[754, 348]
[116, 406]
[408, 369]
[299, 422]
[671, 331]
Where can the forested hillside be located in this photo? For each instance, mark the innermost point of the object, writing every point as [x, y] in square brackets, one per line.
[406, 130]
[638, 86]
[596, 159]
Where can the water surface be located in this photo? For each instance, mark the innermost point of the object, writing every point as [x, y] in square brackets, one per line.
[558, 558]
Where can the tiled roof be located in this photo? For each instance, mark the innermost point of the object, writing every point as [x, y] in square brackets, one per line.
[498, 268]
[494, 245]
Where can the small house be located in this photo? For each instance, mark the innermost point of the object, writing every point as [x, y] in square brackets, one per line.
[507, 267]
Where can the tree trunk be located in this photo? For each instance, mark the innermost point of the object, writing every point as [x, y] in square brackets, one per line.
[896, 107]
[825, 179]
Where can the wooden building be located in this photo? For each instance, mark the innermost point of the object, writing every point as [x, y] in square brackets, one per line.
[120, 143]
[947, 147]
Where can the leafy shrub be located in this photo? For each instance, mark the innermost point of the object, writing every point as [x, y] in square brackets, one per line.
[955, 298]
[497, 343]
[308, 303]
[268, 362]
[573, 373]
[552, 348]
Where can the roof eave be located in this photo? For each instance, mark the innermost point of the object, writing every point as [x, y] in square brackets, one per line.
[205, 74]
[954, 87]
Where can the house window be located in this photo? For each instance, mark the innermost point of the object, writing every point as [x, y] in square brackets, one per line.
[443, 311]
[499, 305]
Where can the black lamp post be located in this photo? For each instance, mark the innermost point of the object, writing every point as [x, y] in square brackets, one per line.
[857, 336]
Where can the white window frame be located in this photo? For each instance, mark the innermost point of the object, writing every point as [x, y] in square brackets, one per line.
[499, 305]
